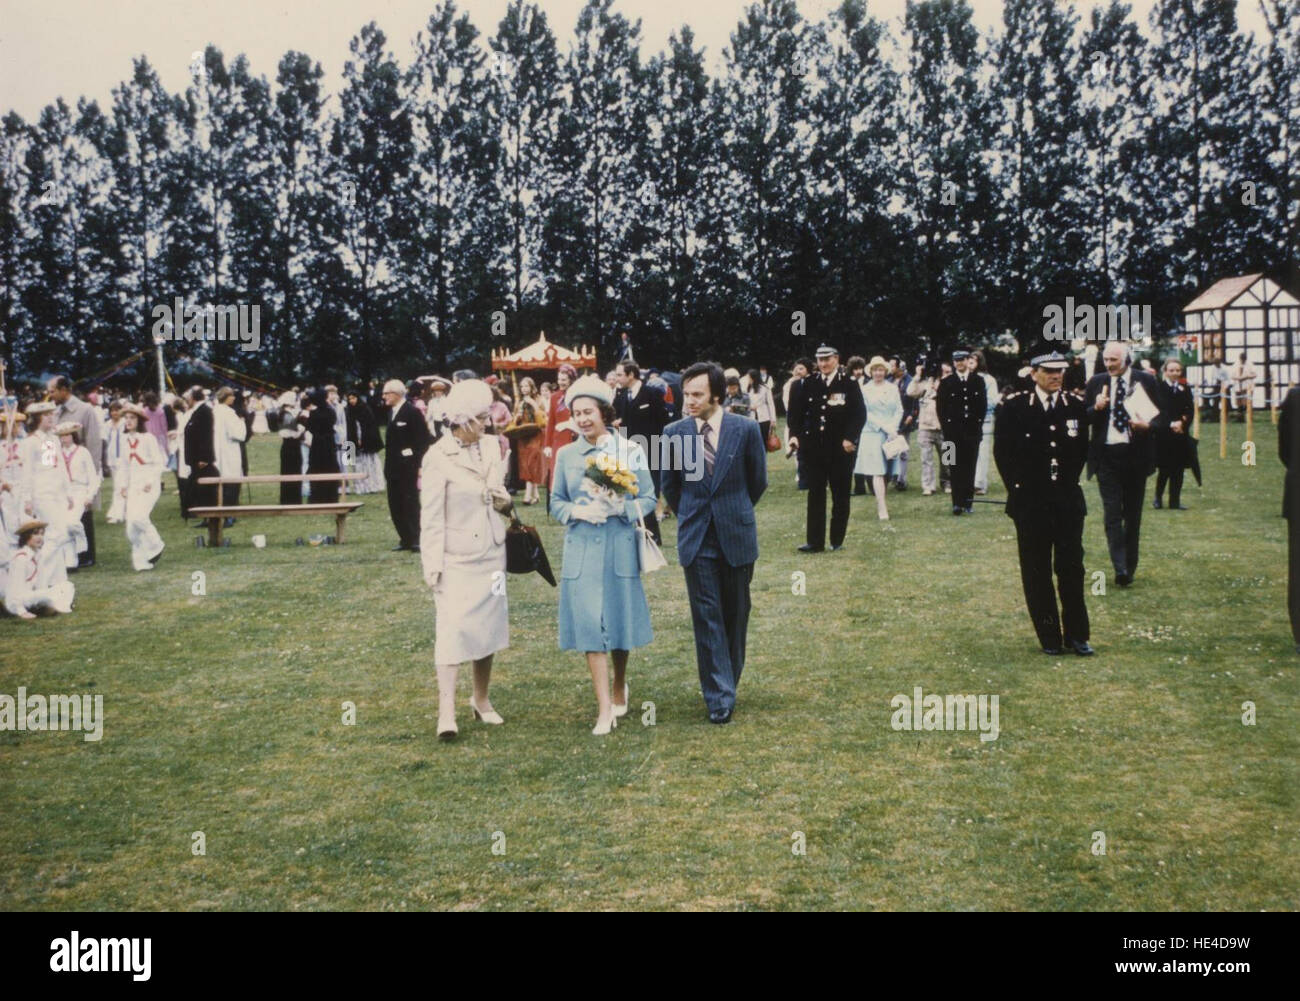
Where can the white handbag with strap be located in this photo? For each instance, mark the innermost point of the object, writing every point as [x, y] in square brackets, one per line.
[652, 557]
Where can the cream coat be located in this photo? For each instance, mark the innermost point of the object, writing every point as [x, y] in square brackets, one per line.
[462, 539]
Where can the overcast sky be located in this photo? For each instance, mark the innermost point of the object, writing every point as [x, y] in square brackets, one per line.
[71, 48]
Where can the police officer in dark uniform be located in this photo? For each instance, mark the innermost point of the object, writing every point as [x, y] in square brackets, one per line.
[1040, 445]
[961, 403]
[827, 413]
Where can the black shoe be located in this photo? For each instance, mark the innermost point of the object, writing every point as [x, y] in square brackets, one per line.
[1179, 507]
[1156, 504]
[1052, 651]
[230, 523]
[1080, 647]
[414, 549]
[970, 510]
[836, 549]
[900, 487]
[399, 548]
[1123, 579]
[81, 564]
[808, 547]
[958, 509]
[720, 716]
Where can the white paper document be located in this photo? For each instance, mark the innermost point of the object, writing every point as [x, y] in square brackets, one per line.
[1139, 405]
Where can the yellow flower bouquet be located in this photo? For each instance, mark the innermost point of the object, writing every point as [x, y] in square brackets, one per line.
[607, 472]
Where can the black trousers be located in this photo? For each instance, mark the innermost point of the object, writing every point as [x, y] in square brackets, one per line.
[1122, 480]
[404, 506]
[203, 495]
[88, 523]
[1050, 535]
[834, 469]
[1174, 477]
[1293, 575]
[966, 452]
[719, 597]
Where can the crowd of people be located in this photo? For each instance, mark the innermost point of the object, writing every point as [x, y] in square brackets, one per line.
[458, 450]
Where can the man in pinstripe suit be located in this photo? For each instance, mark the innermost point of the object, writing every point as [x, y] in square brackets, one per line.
[717, 539]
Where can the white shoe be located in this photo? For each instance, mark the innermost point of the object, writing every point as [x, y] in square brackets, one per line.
[447, 727]
[603, 728]
[621, 711]
[490, 716]
[884, 516]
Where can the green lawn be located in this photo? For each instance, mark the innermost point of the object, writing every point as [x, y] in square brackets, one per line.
[224, 715]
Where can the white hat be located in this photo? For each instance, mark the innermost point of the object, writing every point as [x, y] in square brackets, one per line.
[467, 399]
[395, 386]
[43, 407]
[589, 385]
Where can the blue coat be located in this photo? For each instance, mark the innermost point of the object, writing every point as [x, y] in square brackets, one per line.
[727, 500]
[602, 603]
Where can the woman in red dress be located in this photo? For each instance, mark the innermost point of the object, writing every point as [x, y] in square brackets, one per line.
[554, 437]
[533, 467]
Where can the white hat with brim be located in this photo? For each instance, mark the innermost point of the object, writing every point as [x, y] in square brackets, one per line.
[40, 408]
[68, 427]
[589, 385]
[877, 362]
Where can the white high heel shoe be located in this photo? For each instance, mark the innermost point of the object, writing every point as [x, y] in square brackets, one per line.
[491, 716]
[621, 711]
[601, 729]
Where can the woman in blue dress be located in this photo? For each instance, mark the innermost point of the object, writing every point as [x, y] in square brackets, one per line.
[884, 414]
[602, 604]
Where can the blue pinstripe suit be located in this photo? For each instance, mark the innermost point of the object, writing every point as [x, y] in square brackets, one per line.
[717, 542]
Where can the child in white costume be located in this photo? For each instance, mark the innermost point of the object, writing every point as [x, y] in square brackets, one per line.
[28, 589]
[45, 493]
[113, 461]
[138, 484]
[11, 476]
[83, 480]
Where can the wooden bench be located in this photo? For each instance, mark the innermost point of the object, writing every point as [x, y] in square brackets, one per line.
[215, 516]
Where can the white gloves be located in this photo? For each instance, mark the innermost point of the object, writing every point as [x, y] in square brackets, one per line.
[592, 513]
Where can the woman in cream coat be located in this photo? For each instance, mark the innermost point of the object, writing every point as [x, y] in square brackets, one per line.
[463, 551]
[884, 414]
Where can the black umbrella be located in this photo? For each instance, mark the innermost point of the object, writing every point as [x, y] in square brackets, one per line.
[1194, 457]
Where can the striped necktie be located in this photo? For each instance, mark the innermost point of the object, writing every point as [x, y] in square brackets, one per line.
[710, 453]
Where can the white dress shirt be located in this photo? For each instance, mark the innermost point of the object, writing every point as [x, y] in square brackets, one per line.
[714, 422]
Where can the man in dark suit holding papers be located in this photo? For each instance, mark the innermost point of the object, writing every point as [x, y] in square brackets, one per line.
[1121, 454]
[717, 539]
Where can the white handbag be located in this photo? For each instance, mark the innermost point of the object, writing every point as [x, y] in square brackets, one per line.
[652, 557]
[894, 447]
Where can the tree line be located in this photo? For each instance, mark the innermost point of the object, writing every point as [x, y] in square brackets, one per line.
[893, 189]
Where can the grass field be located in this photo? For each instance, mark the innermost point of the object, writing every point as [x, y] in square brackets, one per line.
[223, 714]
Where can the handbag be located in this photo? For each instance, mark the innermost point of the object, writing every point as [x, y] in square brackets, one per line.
[652, 557]
[773, 442]
[894, 447]
[524, 550]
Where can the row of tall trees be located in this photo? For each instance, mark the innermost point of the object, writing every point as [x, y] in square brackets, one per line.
[881, 188]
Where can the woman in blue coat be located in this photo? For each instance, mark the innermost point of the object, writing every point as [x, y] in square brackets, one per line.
[602, 603]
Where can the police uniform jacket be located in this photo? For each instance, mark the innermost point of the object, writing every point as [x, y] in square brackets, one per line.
[1040, 455]
[822, 414]
[961, 405]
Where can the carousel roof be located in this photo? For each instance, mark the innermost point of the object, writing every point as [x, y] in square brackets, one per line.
[544, 354]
